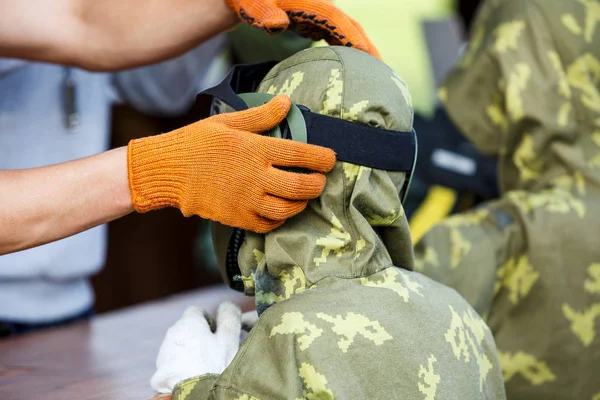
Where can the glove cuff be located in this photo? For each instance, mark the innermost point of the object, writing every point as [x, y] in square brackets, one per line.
[154, 180]
[199, 384]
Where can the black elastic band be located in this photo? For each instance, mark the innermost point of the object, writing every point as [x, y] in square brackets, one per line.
[361, 144]
[243, 78]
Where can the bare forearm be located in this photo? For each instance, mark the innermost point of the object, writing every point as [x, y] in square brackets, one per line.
[41, 205]
[108, 34]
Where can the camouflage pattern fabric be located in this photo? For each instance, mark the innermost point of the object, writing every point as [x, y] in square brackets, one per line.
[337, 318]
[527, 91]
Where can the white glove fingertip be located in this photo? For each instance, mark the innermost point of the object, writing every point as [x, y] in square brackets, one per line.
[249, 319]
[194, 312]
[157, 383]
[229, 319]
[229, 310]
[229, 327]
[193, 322]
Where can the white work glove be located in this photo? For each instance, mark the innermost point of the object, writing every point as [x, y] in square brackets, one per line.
[249, 319]
[191, 348]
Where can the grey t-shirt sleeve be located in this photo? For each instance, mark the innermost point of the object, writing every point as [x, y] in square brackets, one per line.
[10, 64]
[169, 87]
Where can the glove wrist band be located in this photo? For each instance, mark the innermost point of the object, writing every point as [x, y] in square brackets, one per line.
[152, 181]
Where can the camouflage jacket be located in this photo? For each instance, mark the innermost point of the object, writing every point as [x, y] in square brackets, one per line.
[392, 334]
[337, 319]
[527, 90]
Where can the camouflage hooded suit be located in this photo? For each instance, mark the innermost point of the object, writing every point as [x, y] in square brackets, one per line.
[527, 91]
[337, 318]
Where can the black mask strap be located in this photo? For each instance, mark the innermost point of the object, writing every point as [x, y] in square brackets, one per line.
[244, 78]
[361, 144]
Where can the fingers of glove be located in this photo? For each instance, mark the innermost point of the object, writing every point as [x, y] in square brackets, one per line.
[192, 323]
[279, 209]
[249, 319]
[293, 186]
[229, 329]
[194, 312]
[197, 316]
[325, 17]
[264, 225]
[257, 119]
[229, 323]
[289, 153]
[167, 376]
[310, 31]
[158, 382]
[190, 329]
[263, 14]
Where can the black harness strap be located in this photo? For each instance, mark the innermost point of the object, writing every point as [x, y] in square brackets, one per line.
[361, 144]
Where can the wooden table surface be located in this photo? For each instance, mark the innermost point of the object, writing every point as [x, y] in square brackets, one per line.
[110, 357]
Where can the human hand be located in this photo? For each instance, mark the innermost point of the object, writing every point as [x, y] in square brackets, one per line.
[314, 19]
[219, 169]
[192, 348]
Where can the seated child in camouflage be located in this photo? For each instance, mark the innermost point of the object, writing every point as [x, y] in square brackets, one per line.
[527, 91]
[341, 314]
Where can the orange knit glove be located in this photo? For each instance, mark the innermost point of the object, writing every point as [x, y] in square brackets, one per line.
[314, 19]
[219, 169]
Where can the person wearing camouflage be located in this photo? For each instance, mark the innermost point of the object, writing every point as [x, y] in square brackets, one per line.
[527, 90]
[341, 314]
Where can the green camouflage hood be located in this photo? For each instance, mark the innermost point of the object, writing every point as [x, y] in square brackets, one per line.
[498, 94]
[357, 227]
